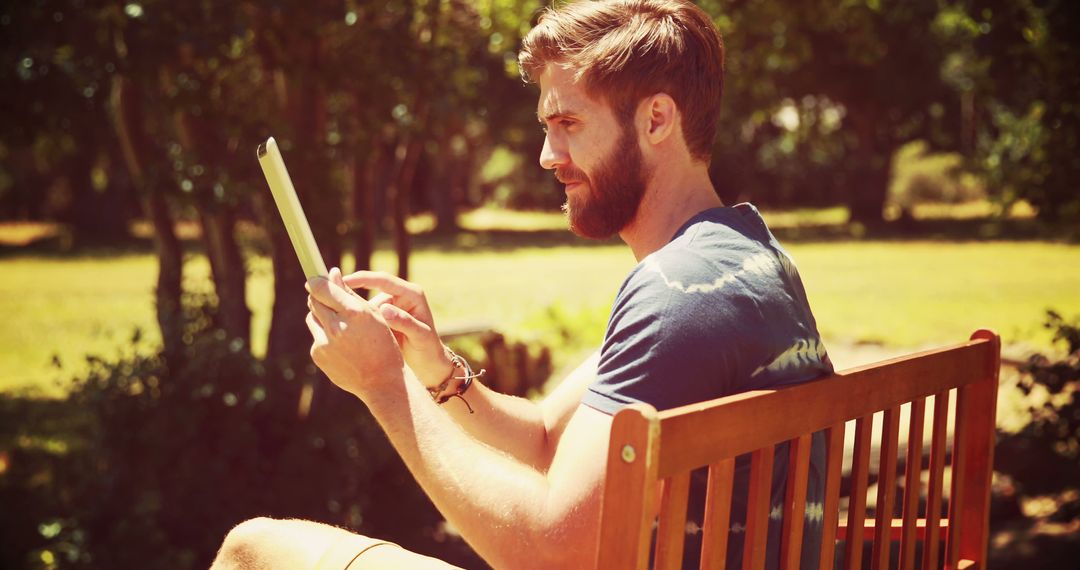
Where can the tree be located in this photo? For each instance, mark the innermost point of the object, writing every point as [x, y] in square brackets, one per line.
[833, 89]
[55, 131]
[1029, 140]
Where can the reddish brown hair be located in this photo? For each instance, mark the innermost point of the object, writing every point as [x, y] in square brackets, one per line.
[626, 50]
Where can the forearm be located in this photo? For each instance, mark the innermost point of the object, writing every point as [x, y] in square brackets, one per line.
[499, 504]
[527, 430]
[510, 424]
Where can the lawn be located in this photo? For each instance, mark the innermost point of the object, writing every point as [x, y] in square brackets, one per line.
[893, 293]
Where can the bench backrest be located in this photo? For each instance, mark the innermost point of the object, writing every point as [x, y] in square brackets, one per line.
[647, 447]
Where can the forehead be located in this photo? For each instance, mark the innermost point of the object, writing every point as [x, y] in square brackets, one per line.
[560, 94]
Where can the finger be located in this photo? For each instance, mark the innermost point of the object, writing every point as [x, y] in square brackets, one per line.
[333, 295]
[384, 282]
[335, 277]
[317, 333]
[379, 299]
[401, 321]
[328, 319]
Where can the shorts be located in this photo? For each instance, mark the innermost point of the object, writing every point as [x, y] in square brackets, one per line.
[355, 552]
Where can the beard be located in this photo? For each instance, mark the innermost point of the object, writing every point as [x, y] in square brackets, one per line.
[614, 191]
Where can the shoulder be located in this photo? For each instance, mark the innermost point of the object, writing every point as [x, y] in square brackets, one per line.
[706, 262]
[665, 341]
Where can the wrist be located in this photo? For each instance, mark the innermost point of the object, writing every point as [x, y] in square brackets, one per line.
[439, 369]
[385, 386]
[456, 383]
[389, 398]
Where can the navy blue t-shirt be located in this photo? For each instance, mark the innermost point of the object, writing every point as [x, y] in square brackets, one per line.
[718, 310]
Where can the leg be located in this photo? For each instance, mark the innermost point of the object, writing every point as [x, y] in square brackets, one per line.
[266, 544]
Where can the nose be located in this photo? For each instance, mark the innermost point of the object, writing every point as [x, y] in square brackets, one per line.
[552, 155]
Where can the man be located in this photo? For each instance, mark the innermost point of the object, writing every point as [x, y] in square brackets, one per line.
[629, 98]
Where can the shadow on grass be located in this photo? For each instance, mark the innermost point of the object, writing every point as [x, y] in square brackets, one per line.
[498, 240]
[941, 229]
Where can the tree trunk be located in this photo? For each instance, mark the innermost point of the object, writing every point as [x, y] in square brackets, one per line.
[227, 268]
[218, 220]
[362, 203]
[411, 145]
[408, 156]
[869, 191]
[449, 187]
[127, 115]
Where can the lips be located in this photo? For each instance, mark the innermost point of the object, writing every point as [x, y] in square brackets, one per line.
[571, 184]
[570, 177]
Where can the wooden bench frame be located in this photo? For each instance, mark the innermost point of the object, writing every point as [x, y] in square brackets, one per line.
[649, 447]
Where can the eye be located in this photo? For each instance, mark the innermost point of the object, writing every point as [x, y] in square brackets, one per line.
[567, 123]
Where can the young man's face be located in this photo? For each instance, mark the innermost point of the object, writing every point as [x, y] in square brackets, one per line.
[597, 158]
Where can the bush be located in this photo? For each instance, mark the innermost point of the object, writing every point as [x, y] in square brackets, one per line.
[922, 177]
[1043, 459]
[148, 463]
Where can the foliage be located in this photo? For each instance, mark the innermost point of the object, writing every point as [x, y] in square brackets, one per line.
[820, 94]
[148, 466]
[1043, 458]
[1029, 146]
[921, 177]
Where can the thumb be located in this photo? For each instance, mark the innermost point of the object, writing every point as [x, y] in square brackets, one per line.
[401, 321]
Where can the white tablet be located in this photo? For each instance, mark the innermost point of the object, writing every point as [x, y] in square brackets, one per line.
[281, 186]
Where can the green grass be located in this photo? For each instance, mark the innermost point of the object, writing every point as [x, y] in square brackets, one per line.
[72, 307]
[914, 293]
[900, 294]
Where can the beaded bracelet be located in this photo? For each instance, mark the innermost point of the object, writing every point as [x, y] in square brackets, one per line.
[467, 379]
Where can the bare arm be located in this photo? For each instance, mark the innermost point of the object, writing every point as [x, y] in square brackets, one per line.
[516, 426]
[527, 430]
[514, 514]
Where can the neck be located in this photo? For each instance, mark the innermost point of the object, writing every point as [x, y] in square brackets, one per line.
[670, 199]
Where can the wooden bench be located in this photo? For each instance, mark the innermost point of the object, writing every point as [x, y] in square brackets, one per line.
[647, 447]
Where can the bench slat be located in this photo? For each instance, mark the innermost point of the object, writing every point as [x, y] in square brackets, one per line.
[860, 472]
[671, 530]
[935, 485]
[886, 488]
[912, 484]
[821, 403]
[757, 508]
[715, 527]
[957, 474]
[795, 502]
[834, 464]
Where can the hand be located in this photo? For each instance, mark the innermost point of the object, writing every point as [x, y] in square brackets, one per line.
[405, 308]
[352, 343]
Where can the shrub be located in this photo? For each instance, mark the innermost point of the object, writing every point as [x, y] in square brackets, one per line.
[921, 177]
[148, 463]
[1043, 459]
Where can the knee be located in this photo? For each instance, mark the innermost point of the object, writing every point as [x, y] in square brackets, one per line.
[246, 545]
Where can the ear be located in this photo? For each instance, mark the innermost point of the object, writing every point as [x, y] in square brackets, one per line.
[662, 115]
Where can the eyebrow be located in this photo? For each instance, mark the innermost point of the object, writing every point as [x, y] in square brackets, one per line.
[556, 115]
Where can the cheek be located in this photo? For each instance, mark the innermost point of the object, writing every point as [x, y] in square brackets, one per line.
[583, 156]
[589, 150]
